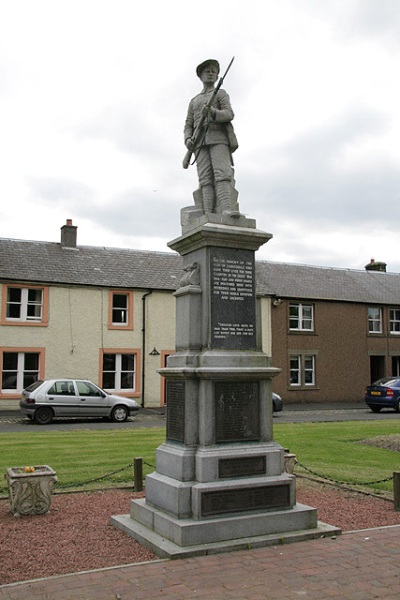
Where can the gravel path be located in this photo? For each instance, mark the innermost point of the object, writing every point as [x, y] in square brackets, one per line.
[76, 536]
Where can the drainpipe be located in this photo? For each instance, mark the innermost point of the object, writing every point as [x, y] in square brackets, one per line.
[144, 340]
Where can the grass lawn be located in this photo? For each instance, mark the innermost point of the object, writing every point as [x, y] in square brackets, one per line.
[82, 455]
[332, 450]
[336, 451]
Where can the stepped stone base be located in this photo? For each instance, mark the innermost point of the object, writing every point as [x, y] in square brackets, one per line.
[169, 537]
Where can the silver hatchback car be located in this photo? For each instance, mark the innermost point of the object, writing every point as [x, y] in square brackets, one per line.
[46, 399]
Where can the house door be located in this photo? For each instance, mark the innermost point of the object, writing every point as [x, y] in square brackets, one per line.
[395, 366]
[377, 367]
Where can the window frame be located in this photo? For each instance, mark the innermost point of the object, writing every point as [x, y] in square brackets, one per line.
[302, 370]
[301, 317]
[9, 392]
[373, 320]
[394, 320]
[25, 321]
[118, 352]
[128, 324]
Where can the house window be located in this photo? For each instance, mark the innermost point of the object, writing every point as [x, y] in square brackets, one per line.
[302, 370]
[309, 369]
[301, 317]
[295, 370]
[19, 369]
[374, 319]
[395, 320]
[119, 372]
[27, 305]
[121, 310]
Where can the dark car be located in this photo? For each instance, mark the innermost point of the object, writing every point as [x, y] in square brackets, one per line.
[44, 400]
[277, 403]
[384, 393]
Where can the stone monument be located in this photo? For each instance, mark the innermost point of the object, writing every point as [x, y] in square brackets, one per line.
[220, 482]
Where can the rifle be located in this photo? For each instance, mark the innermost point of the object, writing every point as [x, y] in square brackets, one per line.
[198, 131]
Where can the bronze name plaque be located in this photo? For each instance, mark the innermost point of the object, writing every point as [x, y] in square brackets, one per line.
[247, 499]
[236, 411]
[175, 410]
[245, 466]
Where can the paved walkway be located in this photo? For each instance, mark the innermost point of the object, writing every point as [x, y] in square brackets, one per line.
[361, 565]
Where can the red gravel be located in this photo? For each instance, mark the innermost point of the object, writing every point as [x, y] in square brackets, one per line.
[76, 535]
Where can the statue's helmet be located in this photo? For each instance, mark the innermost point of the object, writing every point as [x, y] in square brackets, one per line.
[203, 65]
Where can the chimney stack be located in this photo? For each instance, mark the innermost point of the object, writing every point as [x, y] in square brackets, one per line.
[68, 235]
[376, 266]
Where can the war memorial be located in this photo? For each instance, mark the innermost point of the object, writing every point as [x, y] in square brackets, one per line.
[220, 482]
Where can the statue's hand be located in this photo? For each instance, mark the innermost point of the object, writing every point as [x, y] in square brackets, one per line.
[189, 143]
[209, 111]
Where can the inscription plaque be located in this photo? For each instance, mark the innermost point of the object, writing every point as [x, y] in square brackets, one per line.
[175, 391]
[241, 467]
[233, 308]
[236, 411]
[247, 499]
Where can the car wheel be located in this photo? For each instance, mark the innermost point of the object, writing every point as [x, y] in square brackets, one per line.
[376, 409]
[397, 407]
[44, 415]
[119, 414]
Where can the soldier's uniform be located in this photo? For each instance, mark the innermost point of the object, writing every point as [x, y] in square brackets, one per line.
[215, 146]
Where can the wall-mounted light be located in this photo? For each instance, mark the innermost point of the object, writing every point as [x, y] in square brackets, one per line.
[277, 302]
[154, 352]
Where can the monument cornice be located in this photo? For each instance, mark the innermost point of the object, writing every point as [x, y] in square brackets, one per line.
[221, 374]
[219, 235]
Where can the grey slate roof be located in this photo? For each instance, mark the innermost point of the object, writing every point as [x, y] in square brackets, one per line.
[325, 283]
[49, 262]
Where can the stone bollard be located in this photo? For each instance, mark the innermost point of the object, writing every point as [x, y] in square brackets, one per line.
[30, 489]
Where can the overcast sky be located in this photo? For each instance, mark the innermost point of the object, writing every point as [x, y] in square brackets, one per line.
[93, 98]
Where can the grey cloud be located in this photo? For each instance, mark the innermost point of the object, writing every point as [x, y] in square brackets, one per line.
[312, 184]
[135, 213]
[54, 190]
[136, 129]
[130, 132]
[330, 140]
[376, 18]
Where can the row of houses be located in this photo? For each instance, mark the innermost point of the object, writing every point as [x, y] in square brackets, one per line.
[108, 314]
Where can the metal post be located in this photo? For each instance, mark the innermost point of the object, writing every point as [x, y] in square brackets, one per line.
[138, 474]
[396, 490]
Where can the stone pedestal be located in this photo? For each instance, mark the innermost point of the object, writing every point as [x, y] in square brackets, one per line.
[220, 481]
[30, 492]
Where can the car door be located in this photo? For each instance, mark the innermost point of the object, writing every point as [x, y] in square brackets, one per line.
[62, 397]
[93, 401]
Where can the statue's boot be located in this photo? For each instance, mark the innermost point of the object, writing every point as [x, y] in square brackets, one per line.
[208, 194]
[224, 197]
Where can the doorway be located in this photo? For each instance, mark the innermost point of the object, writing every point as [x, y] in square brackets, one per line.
[377, 367]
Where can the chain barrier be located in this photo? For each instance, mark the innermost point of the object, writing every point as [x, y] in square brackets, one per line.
[343, 482]
[107, 476]
[148, 464]
[4, 490]
[76, 484]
